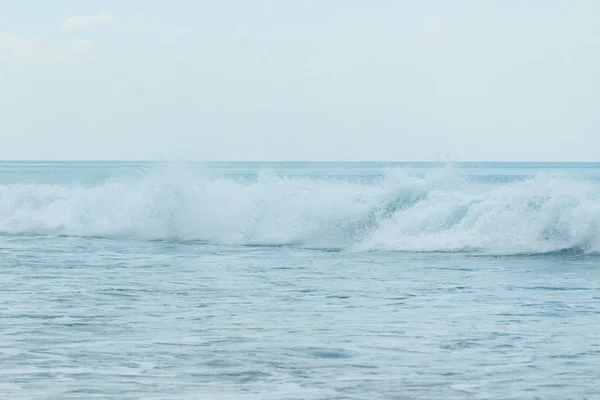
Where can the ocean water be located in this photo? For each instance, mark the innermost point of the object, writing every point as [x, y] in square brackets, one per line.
[299, 281]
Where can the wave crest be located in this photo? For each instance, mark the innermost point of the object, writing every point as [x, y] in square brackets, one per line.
[399, 212]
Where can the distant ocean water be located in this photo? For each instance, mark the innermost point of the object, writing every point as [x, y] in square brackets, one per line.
[131, 280]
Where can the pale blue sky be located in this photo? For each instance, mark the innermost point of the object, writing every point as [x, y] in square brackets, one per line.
[300, 80]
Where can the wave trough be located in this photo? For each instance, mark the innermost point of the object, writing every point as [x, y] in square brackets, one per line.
[399, 212]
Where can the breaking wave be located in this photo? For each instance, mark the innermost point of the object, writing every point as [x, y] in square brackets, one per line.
[399, 212]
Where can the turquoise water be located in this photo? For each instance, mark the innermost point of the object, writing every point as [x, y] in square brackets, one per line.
[299, 281]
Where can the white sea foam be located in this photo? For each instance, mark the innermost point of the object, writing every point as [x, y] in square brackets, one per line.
[400, 212]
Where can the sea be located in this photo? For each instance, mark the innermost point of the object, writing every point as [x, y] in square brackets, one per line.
[291, 280]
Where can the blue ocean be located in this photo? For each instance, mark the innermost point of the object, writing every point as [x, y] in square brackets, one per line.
[139, 280]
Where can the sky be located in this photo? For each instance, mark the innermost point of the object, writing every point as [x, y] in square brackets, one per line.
[462, 80]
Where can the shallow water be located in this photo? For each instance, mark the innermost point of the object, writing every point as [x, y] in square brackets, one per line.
[139, 302]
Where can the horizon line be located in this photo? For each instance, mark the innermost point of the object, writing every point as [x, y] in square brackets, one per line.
[295, 161]
[303, 161]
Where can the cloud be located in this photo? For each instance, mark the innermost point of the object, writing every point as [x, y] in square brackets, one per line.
[79, 22]
[19, 51]
[137, 20]
[181, 31]
[16, 50]
[82, 45]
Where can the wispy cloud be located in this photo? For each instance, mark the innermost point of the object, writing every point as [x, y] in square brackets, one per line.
[19, 51]
[181, 31]
[82, 45]
[79, 22]
[137, 20]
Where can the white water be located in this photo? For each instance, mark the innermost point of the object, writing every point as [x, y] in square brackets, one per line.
[400, 212]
